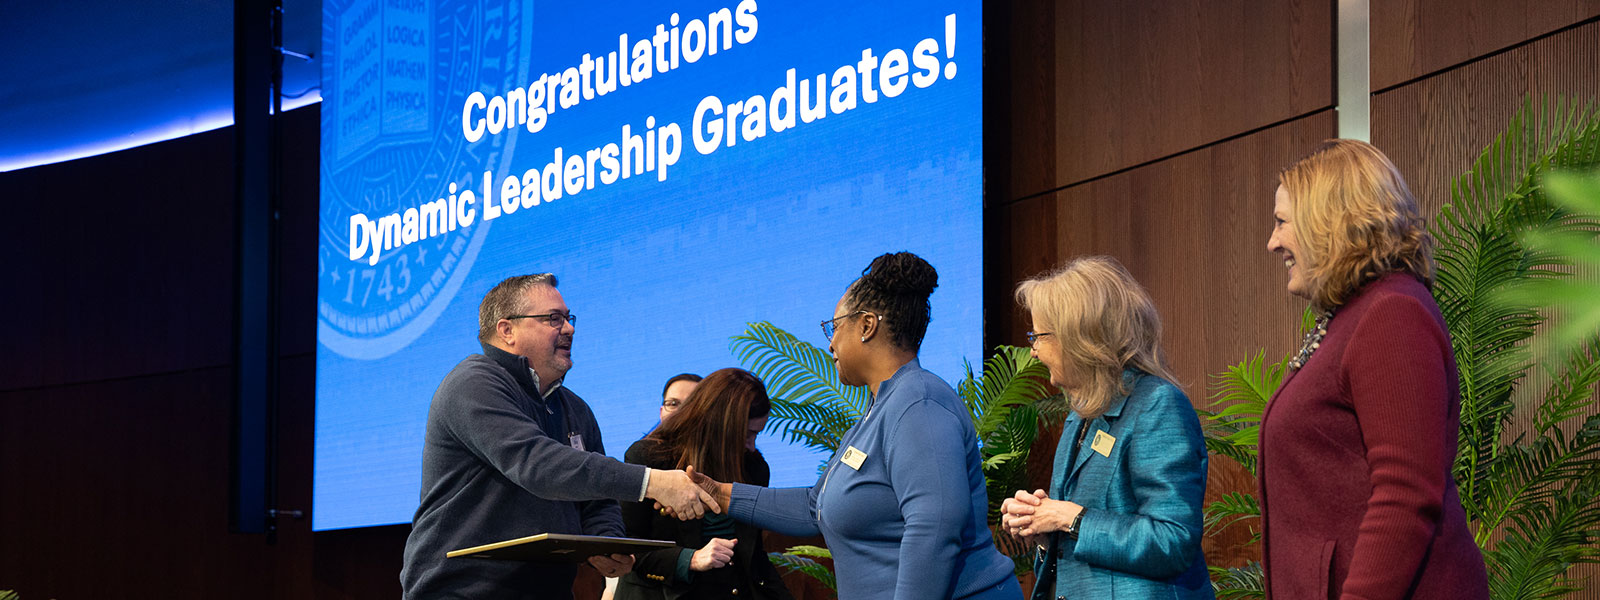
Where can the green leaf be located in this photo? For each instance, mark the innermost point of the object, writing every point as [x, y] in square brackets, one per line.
[1242, 392]
[1238, 583]
[800, 558]
[809, 405]
[1231, 508]
[1008, 404]
[1502, 242]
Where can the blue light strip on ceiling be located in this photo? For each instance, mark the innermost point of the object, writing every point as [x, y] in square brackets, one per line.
[189, 125]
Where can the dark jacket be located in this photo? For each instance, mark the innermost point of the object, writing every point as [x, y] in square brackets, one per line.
[498, 463]
[656, 575]
[1357, 498]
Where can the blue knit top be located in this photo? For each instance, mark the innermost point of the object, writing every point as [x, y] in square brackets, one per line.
[902, 504]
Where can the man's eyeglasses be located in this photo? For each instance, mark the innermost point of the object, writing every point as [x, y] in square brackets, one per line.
[1033, 337]
[831, 325]
[554, 319]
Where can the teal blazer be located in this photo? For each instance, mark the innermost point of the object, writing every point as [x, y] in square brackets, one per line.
[1142, 499]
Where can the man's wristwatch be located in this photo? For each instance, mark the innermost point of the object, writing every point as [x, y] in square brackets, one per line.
[1072, 527]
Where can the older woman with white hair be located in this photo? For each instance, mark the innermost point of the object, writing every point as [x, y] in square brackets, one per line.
[1122, 516]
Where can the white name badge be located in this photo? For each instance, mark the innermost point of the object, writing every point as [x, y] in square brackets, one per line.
[853, 457]
[1102, 443]
[576, 440]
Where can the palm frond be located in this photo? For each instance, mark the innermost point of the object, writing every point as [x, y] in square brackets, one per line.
[1529, 477]
[1494, 276]
[1242, 392]
[809, 405]
[1481, 255]
[1534, 558]
[1238, 583]
[802, 559]
[1569, 241]
[1012, 377]
[810, 551]
[1572, 388]
[1008, 405]
[1232, 508]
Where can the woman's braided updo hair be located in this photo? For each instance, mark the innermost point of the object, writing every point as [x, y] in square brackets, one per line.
[896, 286]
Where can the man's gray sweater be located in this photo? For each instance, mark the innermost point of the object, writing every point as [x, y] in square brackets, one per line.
[498, 463]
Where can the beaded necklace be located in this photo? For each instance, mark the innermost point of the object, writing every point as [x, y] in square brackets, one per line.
[1312, 341]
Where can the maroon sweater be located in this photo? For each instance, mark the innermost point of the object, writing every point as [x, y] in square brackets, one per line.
[1356, 494]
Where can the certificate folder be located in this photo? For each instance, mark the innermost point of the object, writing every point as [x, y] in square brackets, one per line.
[559, 547]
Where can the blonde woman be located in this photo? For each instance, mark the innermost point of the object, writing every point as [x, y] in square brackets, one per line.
[1122, 516]
[1356, 491]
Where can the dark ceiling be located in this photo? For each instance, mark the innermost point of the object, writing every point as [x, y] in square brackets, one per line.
[90, 76]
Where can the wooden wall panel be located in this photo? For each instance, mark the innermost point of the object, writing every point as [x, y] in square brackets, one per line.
[1192, 229]
[1435, 128]
[1412, 38]
[119, 489]
[1019, 242]
[355, 564]
[1137, 82]
[1019, 98]
[126, 268]
[115, 407]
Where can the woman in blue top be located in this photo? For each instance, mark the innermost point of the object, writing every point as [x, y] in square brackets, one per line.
[902, 504]
[1122, 517]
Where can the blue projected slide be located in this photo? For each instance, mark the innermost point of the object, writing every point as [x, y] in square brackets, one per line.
[684, 168]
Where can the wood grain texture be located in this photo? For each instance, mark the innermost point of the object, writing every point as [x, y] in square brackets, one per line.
[1412, 38]
[119, 489]
[1019, 97]
[1137, 82]
[1192, 229]
[1435, 128]
[127, 255]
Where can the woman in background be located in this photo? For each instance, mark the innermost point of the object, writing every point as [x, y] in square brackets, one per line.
[1123, 515]
[1357, 445]
[713, 429]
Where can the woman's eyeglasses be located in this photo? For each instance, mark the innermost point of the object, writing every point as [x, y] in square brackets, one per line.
[829, 326]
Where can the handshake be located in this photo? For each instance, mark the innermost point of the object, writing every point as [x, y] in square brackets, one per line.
[687, 494]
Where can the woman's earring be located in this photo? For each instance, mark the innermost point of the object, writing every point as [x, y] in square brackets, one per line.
[863, 339]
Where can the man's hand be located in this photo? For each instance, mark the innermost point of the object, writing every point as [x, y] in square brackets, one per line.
[717, 553]
[678, 495]
[1028, 515]
[615, 565]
